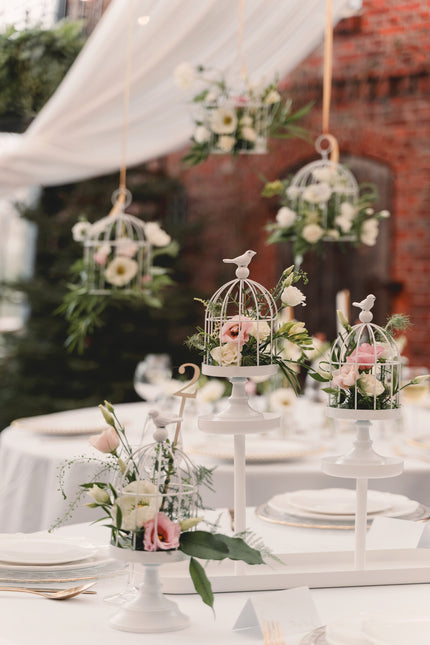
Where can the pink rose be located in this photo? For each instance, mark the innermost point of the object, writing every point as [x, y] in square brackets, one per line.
[107, 441]
[365, 355]
[161, 533]
[345, 377]
[236, 330]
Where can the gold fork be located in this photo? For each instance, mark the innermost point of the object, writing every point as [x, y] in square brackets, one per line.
[272, 633]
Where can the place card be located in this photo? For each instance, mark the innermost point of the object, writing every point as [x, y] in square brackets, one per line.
[293, 609]
[392, 533]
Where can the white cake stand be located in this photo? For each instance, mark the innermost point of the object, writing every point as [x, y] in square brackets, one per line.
[239, 419]
[150, 611]
[362, 463]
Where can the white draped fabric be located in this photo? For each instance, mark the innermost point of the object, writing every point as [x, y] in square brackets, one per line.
[78, 134]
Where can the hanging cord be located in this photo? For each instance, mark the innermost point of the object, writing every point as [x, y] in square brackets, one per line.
[327, 84]
[122, 195]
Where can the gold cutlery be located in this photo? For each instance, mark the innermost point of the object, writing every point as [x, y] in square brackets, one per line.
[53, 594]
[272, 633]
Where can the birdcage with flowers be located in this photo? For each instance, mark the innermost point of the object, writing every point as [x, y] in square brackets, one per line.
[117, 254]
[365, 370]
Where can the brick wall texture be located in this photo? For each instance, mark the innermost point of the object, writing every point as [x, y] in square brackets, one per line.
[380, 110]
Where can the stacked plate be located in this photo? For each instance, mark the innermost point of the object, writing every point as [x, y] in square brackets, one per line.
[32, 559]
[258, 449]
[334, 508]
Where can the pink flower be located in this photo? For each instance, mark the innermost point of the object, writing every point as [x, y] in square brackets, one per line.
[107, 441]
[161, 533]
[102, 254]
[236, 330]
[345, 377]
[365, 355]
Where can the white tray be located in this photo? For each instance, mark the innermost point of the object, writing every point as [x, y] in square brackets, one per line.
[314, 570]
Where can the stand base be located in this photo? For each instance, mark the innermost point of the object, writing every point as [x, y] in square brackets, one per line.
[223, 425]
[166, 617]
[391, 467]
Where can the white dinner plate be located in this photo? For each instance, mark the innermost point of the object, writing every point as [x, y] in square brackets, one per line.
[337, 501]
[257, 449]
[397, 630]
[64, 423]
[23, 551]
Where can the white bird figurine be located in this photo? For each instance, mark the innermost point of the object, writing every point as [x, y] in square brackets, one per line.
[367, 303]
[241, 260]
[161, 421]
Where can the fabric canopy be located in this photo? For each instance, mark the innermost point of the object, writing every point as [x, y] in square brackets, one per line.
[79, 132]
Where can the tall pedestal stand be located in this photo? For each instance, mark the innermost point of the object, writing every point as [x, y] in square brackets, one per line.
[362, 463]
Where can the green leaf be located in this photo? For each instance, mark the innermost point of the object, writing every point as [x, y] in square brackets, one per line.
[204, 545]
[238, 549]
[201, 582]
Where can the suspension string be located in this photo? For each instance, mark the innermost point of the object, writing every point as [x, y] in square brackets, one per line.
[327, 83]
[243, 71]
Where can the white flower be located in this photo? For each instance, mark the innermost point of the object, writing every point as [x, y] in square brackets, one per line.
[291, 351]
[370, 386]
[285, 217]
[344, 223]
[246, 120]
[156, 235]
[226, 354]
[211, 391]
[298, 327]
[98, 494]
[121, 271]
[249, 134]
[333, 233]
[323, 174]
[369, 232]
[201, 134]
[317, 193]
[281, 399]
[272, 97]
[369, 211]
[223, 120]
[80, 231]
[347, 210]
[384, 214]
[126, 247]
[139, 503]
[185, 76]
[260, 330]
[102, 254]
[226, 143]
[312, 233]
[292, 296]
[211, 97]
[292, 192]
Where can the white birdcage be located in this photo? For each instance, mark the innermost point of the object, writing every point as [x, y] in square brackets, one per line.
[158, 487]
[117, 254]
[365, 368]
[240, 323]
[319, 189]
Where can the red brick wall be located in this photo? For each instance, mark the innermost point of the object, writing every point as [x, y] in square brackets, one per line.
[381, 110]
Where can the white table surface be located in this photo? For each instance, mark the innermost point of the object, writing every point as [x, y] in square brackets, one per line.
[28, 619]
[30, 463]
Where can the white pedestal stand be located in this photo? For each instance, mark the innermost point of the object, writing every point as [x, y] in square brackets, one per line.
[150, 611]
[239, 419]
[362, 463]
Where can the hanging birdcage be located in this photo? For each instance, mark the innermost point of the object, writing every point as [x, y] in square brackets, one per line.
[365, 370]
[117, 254]
[240, 323]
[156, 491]
[325, 193]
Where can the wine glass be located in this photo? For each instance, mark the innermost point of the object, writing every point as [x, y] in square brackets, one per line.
[151, 375]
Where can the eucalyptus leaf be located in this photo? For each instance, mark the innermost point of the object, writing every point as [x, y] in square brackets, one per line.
[203, 545]
[201, 582]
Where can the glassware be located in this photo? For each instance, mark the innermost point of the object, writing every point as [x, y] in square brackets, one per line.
[151, 376]
[415, 393]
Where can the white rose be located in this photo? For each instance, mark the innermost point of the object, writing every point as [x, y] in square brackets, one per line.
[282, 398]
[249, 134]
[260, 330]
[212, 391]
[226, 143]
[291, 297]
[292, 192]
[185, 76]
[369, 232]
[370, 386]
[312, 233]
[224, 120]
[80, 231]
[226, 354]
[156, 235]
[344, 223]
[347, 210]
[317, 193]
[272, 97]
[285, 217]
[201, 134]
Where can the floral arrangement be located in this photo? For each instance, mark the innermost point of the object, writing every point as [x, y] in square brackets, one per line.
[321, 212]
[231, 120]
[126, 265]
[156, 513]
[364, 368]
[246, 340]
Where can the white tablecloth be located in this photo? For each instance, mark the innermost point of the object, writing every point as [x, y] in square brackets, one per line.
[30, 464]
[28, 619]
